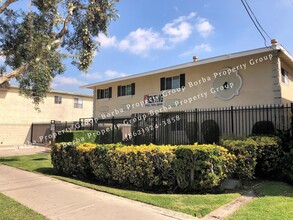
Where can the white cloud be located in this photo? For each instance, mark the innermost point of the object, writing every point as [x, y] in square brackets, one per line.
[107, 41]
[197, 49]
[114, 74]
[64, 80]
[179, 29]
[142, 41]
[204, 27]
[95, 76]
[109, 74]
[178, 33]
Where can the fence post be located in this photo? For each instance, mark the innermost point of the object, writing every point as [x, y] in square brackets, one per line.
[135, 138]
[53, 129]
[292, 119]
[80, 124]
[155, 127]
[232, 120]
[32, 132]
[113, 131]
[196, 126]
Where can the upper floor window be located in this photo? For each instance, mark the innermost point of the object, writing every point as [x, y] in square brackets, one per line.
[285, 77]
[126, 90]
[78, 103]
[173, 82]
[58, 99]
[104, 93]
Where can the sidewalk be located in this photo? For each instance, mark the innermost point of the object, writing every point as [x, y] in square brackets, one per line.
[22, 150]
[60, 200]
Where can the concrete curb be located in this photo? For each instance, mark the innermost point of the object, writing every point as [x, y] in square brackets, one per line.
[230, 208]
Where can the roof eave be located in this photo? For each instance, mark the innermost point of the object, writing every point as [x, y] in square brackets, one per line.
[190, 64]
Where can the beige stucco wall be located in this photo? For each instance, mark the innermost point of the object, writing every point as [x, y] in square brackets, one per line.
[287, 90]
[257, 88]
[18, 113]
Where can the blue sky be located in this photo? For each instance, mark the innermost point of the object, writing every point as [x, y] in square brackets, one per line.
[154, 34]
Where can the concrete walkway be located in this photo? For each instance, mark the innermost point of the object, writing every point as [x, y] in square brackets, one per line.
[22, 150]
[60, 200]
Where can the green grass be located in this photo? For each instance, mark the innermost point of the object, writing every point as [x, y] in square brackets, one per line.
[274, 202]
[189, 204]
[12, 210]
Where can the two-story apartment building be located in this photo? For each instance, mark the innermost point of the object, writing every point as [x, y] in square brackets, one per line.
[255, 77]
[17, 113]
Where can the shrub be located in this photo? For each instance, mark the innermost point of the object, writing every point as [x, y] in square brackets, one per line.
[287, 166]
[102, 136]
[202, 167]
[198, 168]
[246, 156]
[100, 163]
[80, 136]
[72, 160]
[263, 128]
[256, 156]
[143, 166]
[269, 153]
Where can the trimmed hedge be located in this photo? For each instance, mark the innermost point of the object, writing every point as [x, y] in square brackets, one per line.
[102, 136]
[79, 136]
[184, 168]
[287, 166]
[256, 156]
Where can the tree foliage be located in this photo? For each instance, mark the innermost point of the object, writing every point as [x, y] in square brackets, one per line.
[35, 41]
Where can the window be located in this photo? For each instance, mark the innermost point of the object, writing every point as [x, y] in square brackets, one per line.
[126, 90]
[173, 82]
[58, 99]
[78, 102]
[104, 93]
[285, 77]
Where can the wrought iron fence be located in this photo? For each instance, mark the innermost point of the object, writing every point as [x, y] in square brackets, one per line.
[183, 127]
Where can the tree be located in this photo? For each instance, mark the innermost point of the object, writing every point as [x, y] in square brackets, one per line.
[35, 42]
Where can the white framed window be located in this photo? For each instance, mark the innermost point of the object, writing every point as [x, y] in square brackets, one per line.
[126, 90]
[78, 103]
[58, 99]
[173, 82]
[104, 93]
[285, 77]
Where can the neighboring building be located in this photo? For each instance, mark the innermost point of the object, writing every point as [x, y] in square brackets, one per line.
[17, 113]
[257, 77]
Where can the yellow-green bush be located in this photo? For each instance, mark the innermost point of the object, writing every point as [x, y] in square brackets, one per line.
[143, 166]
[255, 156]
[202, 167]
[72, 160]
[197, 168]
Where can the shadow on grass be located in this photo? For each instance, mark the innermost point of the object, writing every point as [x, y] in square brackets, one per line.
[8, 159]
[41, 159]
[46, 170]
[270, 188]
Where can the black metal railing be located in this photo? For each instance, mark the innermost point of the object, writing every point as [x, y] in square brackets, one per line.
[184, 127]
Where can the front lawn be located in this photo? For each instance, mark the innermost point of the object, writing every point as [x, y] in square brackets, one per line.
[274, 202]
[12, 210]
[198, 205]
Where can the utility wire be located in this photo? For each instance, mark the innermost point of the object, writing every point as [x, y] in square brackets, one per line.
[255, 22]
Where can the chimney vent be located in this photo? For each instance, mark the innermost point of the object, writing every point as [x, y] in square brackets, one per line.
[195, 58]
[274, 42]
